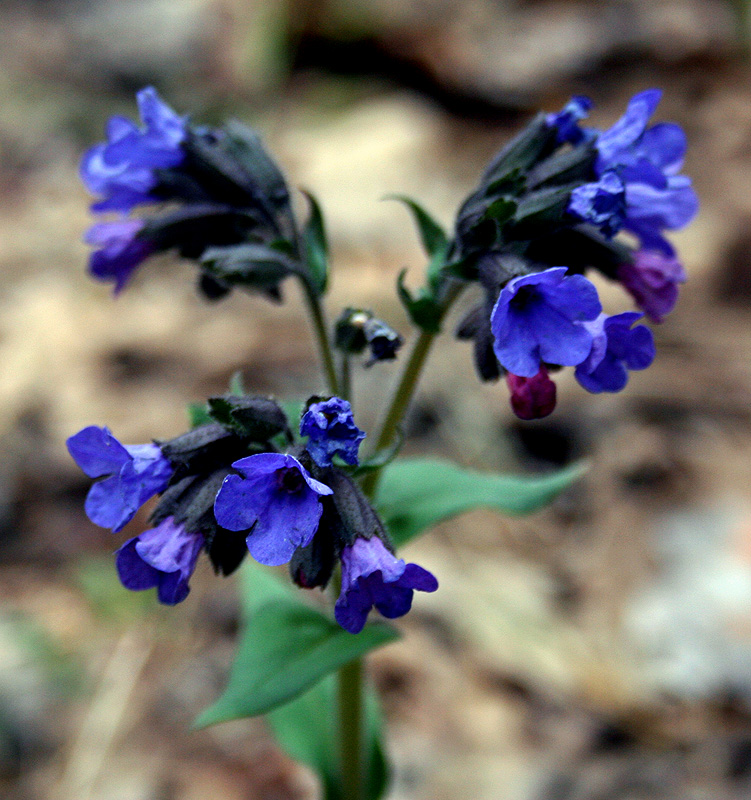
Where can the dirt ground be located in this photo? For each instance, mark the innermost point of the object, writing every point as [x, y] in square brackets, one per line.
[600, 650]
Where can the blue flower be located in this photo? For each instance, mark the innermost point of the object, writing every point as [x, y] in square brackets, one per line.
[616, 348]
[276, 500]
[122, 169]
[132, 474]
[372, 576]
[566, 120]
[648, 159]
[331, 430]
[535, 320]
[121, 250]
[163, 557]
[651, 209]
[602, 204]
[652, 279]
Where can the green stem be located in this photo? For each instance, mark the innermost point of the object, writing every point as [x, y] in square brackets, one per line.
[743, 22]
[345, 379]
[321, 333]
[351, 729]
[404, 391]
[351, 675]
[350, 685]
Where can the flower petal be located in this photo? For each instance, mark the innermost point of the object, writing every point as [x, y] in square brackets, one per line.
[97, 452]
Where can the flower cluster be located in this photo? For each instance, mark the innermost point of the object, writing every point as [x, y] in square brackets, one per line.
[241, 483]
[548, 208]
[229, 206]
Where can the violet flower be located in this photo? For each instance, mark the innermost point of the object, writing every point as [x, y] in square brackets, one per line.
[163, 557]
[535, 320]
[566, 120]
[616, 348]
[652, 279]
[131, 475]
[373, 576]
[648, 160]
[331, 430]
[276, 500]
[121, 250]
[123, 169]
[602, 204]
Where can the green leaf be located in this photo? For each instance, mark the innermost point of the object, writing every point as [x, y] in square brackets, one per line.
[501, 210]
[423, 310]
[198, 414]
[285, 648]
[316, 246]
[415, 494]
[236, 384]
[307, 729]
[432, 235]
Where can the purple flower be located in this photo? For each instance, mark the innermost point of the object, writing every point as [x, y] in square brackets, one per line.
[602, 204]
[616, 348]
[566, 120]
[121, 250]
[276, 500]
[372, 576]
[535, 320]
[532, 398]
[132, 474]
[331, 430]
[648, 160]
[122, 169]
[651, 209]
[653, 280]
[163, 557]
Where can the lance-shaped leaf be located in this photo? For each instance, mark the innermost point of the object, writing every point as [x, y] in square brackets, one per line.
[416, 494]
[198, 414]
[307, 729]
[433, 237]
[423, 309]
[316, 246]
[285, 648]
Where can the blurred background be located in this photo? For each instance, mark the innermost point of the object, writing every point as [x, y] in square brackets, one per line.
[600, 650]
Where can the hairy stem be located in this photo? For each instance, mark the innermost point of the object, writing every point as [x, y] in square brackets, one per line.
[345, 379]
[351, 729]
[320, 330]
[350, 677]
[404, 391]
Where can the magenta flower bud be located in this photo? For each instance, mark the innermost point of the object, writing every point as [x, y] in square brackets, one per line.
[532, 398]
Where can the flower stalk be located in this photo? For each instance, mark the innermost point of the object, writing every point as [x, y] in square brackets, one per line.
[320, 330]
[350, 700]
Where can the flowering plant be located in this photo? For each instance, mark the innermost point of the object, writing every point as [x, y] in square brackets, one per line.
[290, 485]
